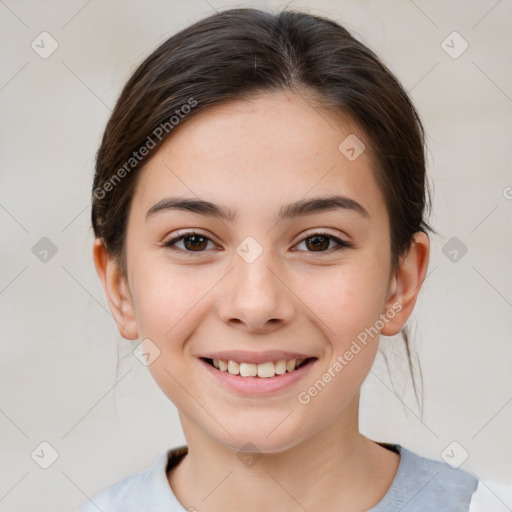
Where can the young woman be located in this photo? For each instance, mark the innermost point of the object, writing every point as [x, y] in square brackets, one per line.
[259, 210]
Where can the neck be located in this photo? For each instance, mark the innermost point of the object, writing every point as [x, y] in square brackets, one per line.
[328, 471]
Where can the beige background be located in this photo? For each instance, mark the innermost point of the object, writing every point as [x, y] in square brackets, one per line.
[60, 380]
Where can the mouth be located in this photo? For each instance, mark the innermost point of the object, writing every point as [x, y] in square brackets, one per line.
[265, 370]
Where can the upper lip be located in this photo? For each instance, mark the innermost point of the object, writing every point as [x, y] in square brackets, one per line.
[255, 357]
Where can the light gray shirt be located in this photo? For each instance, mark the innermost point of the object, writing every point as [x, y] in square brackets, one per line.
[420, 485]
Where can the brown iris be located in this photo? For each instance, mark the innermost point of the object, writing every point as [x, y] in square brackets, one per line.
[199, 242]
[320, 242]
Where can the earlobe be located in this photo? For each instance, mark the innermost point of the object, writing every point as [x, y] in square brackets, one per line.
[116, 290]
[405, 285]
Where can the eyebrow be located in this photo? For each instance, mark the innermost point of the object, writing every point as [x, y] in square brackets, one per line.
[297, 209]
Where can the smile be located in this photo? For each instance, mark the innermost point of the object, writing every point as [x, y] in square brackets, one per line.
[257, 379]
[263, 370]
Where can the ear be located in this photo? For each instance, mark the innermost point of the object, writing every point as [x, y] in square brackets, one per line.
[116, 290]
[405, 284]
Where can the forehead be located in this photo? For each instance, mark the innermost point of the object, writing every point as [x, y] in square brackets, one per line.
[258, 154]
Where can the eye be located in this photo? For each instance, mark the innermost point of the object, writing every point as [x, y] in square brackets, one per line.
[192, 242]
[321, 242]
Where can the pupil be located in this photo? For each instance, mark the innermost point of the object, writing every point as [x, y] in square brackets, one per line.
[318, 244]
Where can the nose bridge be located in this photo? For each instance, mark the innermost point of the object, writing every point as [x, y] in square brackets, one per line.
[255, 295]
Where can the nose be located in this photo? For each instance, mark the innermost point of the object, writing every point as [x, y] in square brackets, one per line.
[255, 296]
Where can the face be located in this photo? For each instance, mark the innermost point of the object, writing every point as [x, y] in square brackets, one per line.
[268, 283]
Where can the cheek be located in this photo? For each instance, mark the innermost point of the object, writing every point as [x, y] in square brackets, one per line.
[347, 299]
[167, 299]
[169, 304]
[347, 304]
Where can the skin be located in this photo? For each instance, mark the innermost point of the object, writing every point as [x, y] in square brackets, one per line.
[254, 157]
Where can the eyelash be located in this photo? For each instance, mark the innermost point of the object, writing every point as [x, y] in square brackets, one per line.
[341, 244]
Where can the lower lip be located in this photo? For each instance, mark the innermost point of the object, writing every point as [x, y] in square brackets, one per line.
[258, 385]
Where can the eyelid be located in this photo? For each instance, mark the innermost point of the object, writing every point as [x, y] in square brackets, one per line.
[321, 231]
[187, 232]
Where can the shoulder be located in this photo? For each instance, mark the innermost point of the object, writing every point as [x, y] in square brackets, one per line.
[147, 489]
[120, 494]
[438, 470]
[444, 484]
[422, 483]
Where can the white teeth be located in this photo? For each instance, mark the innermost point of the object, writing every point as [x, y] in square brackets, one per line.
[233, 367]
[248, 369]
[280, 367]
[263, 370]
[266, 370]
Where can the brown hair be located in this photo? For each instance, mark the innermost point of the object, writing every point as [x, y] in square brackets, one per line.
[236, 54]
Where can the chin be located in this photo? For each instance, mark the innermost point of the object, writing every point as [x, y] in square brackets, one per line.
[258, 440]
